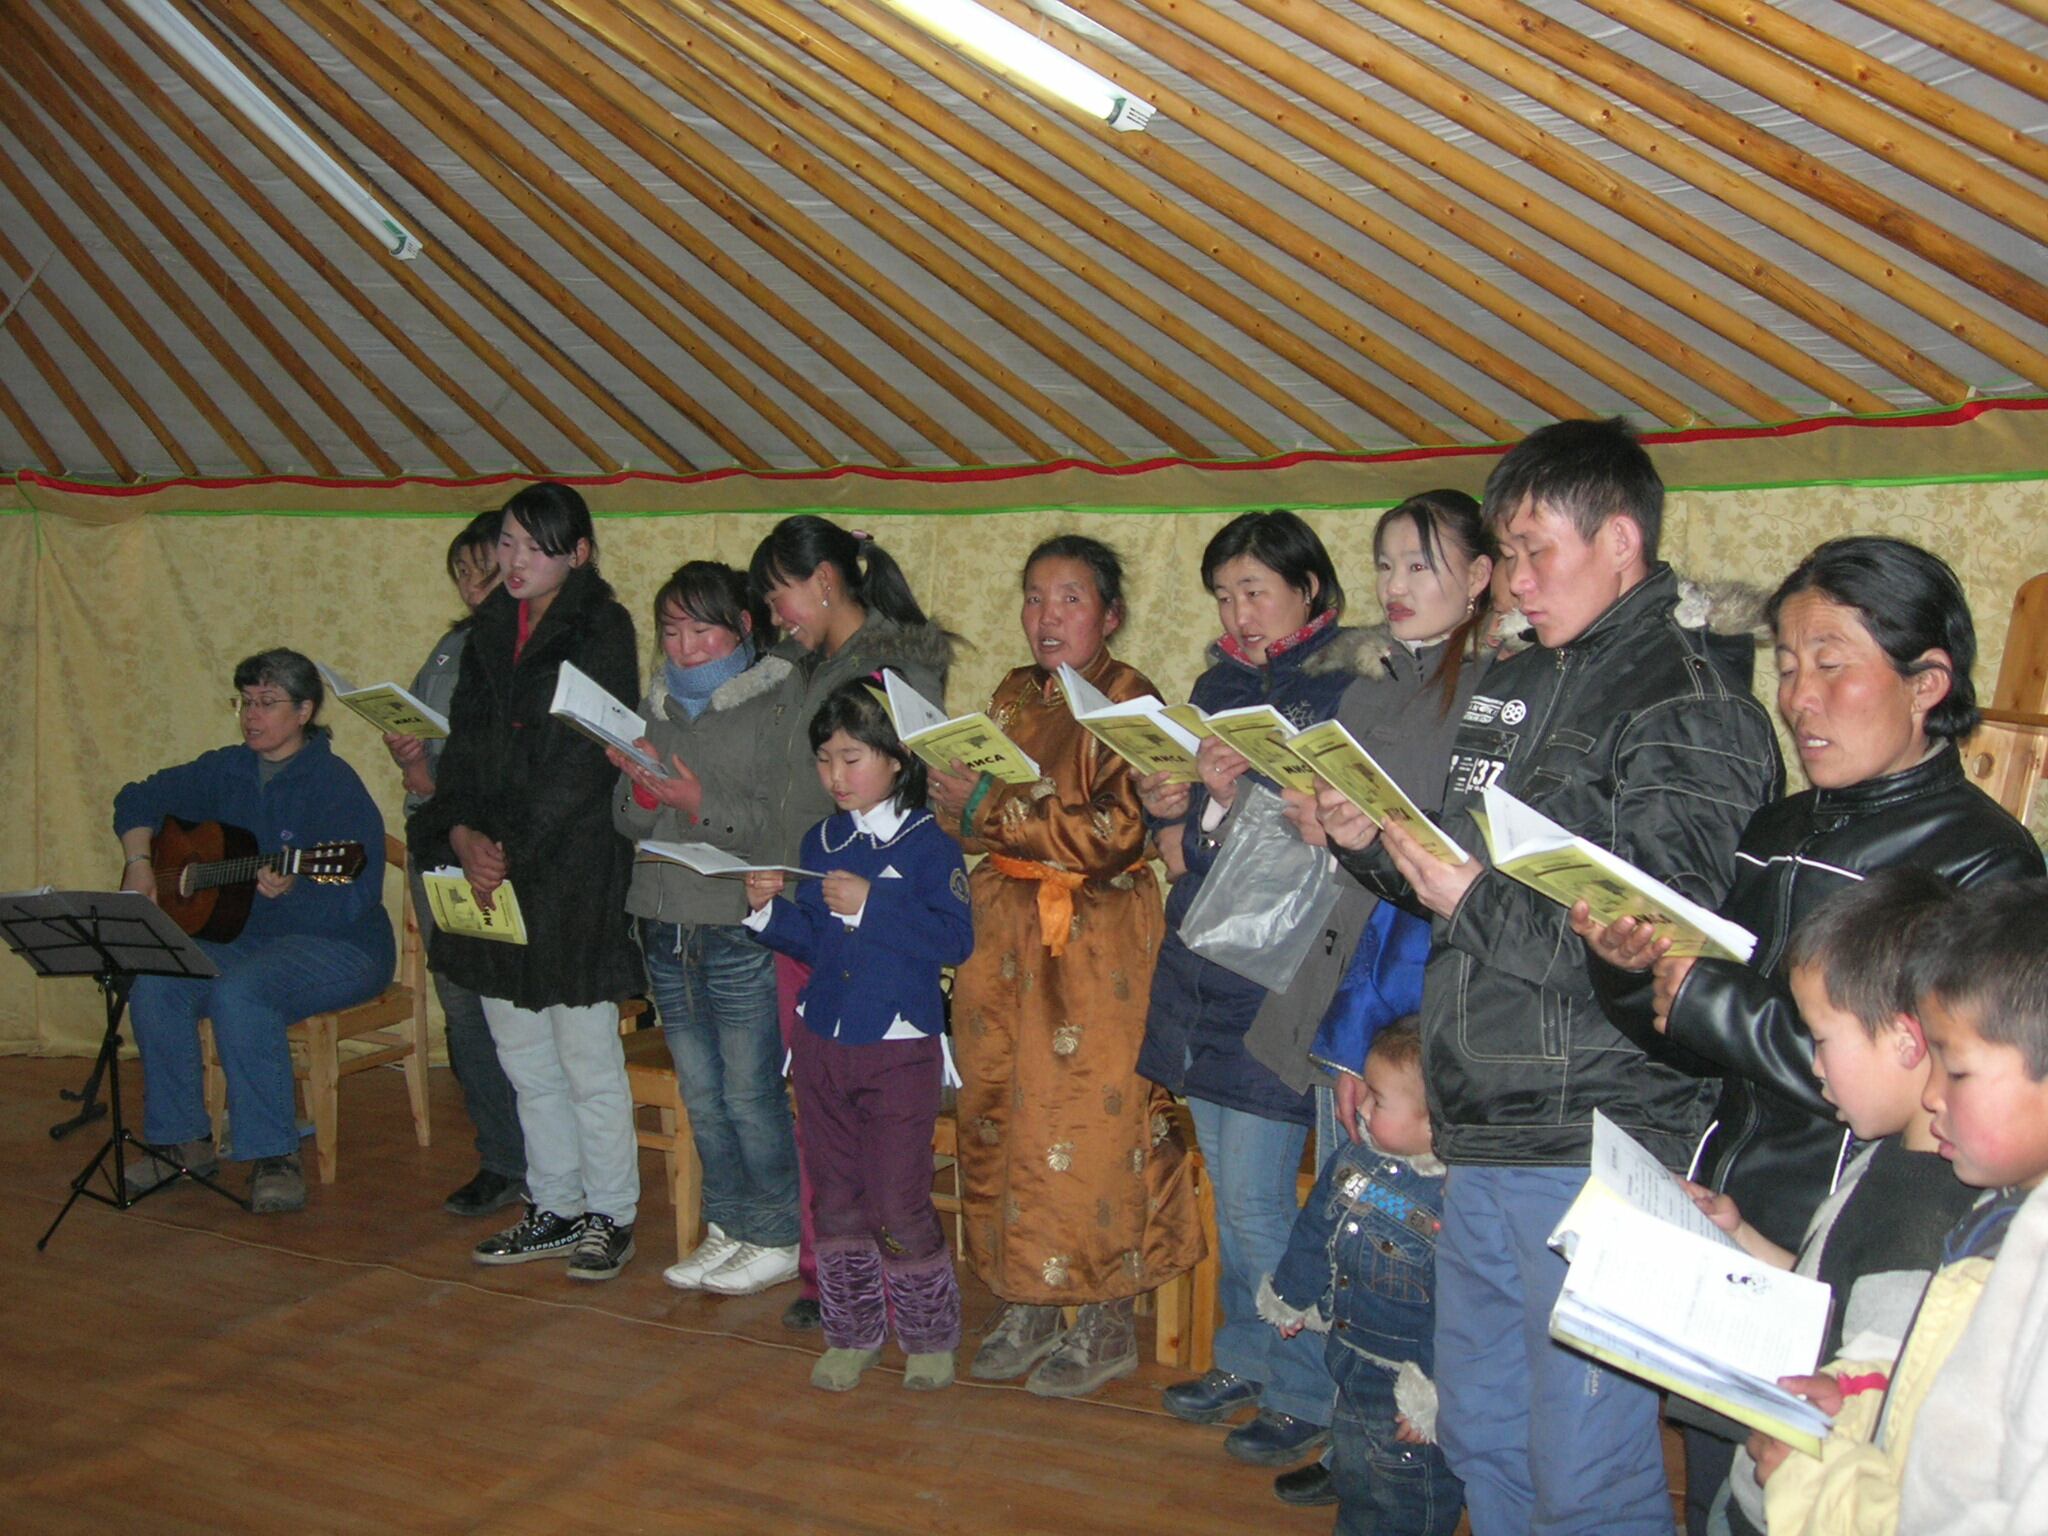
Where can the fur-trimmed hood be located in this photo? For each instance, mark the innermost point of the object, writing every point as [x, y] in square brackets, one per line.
[1340, 653]
[1720, 607]
[925, 646]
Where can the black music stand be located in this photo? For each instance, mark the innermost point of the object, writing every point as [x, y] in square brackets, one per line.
[113, 937]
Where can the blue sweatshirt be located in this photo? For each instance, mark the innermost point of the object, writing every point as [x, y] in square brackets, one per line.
[314, 797]
[917, 919]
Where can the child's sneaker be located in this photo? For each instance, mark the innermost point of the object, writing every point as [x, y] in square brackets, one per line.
[750, 1268]
[928, 1372]
[603, 1249]
[839, 1370]
[687, 1274]
[540, 1235]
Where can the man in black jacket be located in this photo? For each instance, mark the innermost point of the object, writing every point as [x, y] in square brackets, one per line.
[1640, 736]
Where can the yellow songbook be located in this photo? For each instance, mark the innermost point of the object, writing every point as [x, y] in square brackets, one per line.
[1137, 730]
[390, 708]
[1189, 717]
[973, 740]
[1336, 757]
[456, 909]
[1261, 732]
[1528, 846]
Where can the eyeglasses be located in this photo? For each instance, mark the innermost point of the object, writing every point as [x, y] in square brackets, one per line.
[238, 702]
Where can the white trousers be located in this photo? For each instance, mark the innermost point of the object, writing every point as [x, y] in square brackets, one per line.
[569, 1070]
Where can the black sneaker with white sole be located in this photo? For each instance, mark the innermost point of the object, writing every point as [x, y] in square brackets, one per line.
[603, 1249]
[541, 1235]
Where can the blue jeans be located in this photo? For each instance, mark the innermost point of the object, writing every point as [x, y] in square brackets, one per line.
[1384, 1488]
[715, 988]
[264, 987]
[1545, 1441]
[486, 1091]
[1253, 1165]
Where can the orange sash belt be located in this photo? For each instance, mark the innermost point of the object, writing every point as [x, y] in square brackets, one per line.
[1056, 889]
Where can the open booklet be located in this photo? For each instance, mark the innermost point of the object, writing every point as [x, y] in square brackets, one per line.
[973, 740]
[1335, 756]
[1659, 1292]
[707, 860]
[456, 909]
[394, 710]
[581, 701]
[1261, 733]
[1528, 846]
[1137, 730]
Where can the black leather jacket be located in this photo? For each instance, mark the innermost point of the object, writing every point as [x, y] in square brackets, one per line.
[1777, 1142]
[1643, 737]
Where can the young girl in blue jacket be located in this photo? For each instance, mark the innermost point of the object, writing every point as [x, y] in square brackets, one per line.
[890, 910]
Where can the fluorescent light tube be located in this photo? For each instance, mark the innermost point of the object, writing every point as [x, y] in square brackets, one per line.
[193, 47]
[1008, 50]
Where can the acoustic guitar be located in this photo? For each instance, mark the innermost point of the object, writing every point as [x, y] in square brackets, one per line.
[206, 873]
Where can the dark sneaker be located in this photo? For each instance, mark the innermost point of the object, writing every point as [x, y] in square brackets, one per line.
[1306, 1486]
[1101, 1346]
[603, 1249]
[145, 1173]
[485, 1193]
[277, 1185]
[1275, 1439]
[542, 1235]
[1022, 1336]
[803, 1315]
[1211, 1396]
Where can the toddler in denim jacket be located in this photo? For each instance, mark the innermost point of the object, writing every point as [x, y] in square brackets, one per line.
[1360, 1267]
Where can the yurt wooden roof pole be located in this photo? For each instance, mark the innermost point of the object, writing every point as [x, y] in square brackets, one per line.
[1803, 173]
[1278, 113]
[231, 356]
[703, 89]
[14, 111]
[1986, 52]
[1856, 68]
[88, 87]
[930, 213]
[1517, 198]
[750, 205]
[1655, 147]
[628, 189]
[1578, 170]
[257, 32]
[2037, 9]
[1095, 222]
[1051, 134]
[387, 325]
[17, 325]
[618, 30]
[501, 160]
[994, 205]
[38, 445]
[1725, 49]
[117, 377]
[1253, 213]
[616, 104]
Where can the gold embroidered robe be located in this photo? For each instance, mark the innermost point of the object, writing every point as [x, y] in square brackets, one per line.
[1075, 1182]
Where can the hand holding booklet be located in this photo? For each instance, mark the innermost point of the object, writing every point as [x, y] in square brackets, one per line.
[1260, 733]
[707, 860]
[581, 701]
[394, 710]
[456, 910]
[1137, 730]
[1336, 758]
[1659, 1292]
[1528, 846]
[973, 740]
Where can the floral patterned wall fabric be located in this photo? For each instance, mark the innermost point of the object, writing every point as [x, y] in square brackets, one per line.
[127, 628]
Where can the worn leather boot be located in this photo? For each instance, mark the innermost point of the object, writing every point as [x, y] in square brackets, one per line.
[1101, 1346]
[1022, 1336]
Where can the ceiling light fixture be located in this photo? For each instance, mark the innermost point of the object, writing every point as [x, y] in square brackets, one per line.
[1008, 50]
[192, 46]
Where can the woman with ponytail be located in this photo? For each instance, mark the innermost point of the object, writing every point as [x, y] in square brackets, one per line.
[846, 611]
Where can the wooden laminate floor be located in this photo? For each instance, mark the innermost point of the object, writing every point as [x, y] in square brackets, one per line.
[182, 1367]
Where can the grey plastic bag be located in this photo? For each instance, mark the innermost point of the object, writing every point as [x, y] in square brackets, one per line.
[1263, 904]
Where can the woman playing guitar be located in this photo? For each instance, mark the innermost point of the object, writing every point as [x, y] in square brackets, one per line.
[306, 947]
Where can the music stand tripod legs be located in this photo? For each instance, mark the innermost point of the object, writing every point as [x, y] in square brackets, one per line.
[114, 985]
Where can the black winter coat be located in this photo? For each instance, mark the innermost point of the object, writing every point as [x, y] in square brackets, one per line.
[1777, 1143]
[515, 773]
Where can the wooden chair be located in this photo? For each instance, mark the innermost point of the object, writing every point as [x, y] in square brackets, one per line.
[393, 1024]
[946, 1172]
[2008, 755]
[651, 1076]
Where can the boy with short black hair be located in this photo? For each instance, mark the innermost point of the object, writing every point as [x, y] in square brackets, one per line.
[1360, 1266]
[1877, 1238]
[1954, 1437]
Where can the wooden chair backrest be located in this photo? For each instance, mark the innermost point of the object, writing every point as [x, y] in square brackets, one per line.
[2008, 755]
[412, 954]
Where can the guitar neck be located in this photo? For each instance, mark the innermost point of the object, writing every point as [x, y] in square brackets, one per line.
[207, 877]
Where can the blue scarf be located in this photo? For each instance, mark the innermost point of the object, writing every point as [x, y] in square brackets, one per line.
[692, 687]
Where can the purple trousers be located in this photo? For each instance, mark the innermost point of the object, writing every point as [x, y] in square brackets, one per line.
[791, 977]
[867, 1113]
